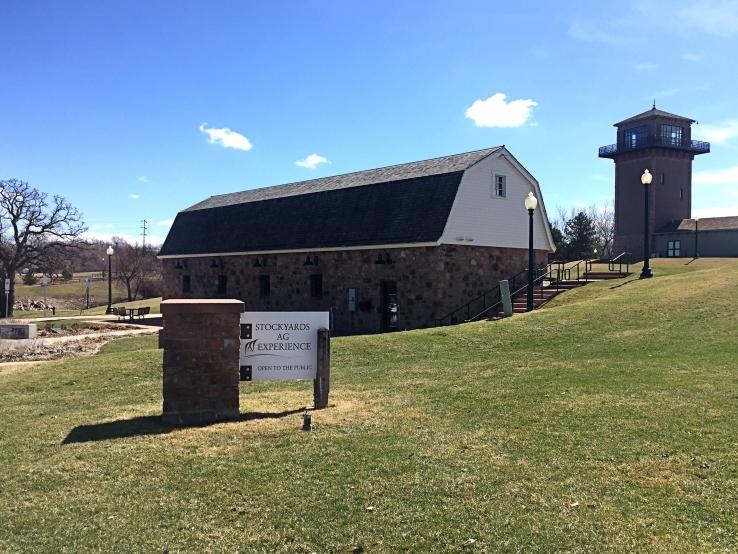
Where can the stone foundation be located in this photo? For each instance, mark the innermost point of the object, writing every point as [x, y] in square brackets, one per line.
[431, 281]
[201, 341]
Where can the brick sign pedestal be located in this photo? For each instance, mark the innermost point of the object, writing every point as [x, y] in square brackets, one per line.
[201, 341]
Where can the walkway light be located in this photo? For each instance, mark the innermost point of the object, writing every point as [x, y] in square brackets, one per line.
[531, 202]
[646, 179]
[109, 252]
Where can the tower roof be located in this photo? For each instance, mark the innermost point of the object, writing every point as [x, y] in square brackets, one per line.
[653, 112]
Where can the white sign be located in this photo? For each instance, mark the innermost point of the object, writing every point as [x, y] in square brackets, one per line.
[44, 281]
[88, 283]
[7, 285]
[277, 346]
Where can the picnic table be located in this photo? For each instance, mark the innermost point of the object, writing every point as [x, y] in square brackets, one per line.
[129, 313]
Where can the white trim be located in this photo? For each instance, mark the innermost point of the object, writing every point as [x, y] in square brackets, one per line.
[301, 250]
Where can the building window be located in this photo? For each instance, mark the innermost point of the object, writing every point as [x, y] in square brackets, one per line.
[222, 284]
[316, 286]
[681, 194]
[265, 286]
[636, 136]
[674, 248]
[500, 187]
[186, 284]
[671, 135]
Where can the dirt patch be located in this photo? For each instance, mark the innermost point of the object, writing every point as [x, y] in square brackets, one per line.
[52, 329]
[56, 348]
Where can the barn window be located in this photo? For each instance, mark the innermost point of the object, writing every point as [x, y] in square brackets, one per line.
[222, 284]
[316, 286]
[499, 189]
[674, 248]
[186, 284]
[265, 286]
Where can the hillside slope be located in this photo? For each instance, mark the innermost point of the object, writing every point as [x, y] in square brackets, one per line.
[604, 422]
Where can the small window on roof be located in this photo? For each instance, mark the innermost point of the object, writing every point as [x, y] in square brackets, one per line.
[499, 186]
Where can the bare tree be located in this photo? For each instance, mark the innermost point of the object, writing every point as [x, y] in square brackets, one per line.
[32, 225]
[129, 266]
[603, 218]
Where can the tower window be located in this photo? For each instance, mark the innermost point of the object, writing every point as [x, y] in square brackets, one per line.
[500, 187]
[186, 284]
[681, 194]
[636, 136]
[265, 286]
[671, 135]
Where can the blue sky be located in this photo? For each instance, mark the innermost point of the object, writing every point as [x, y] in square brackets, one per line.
[136, 110]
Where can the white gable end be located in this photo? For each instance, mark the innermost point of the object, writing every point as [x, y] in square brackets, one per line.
[489, 211]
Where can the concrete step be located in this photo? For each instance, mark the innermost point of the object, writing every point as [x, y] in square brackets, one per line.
[605, 275]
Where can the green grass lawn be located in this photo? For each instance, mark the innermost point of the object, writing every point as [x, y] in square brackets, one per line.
[69, 293]
[606, 421]
[152, 303]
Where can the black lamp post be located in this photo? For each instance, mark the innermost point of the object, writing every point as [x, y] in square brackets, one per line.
[696, 237]
[109, 252]
[646, 179]
[530, 204]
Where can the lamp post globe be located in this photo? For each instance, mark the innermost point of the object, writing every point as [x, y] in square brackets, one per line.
[531, 203]
[646, 180]
[110, 252]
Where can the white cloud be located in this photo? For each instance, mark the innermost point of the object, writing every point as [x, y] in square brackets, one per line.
[645, 66]
[715, 211]
[663, 94]
[142, 179]
[166, 222]
[588, 31]
[719, 133]
[715, 17]
[496, 112]
[727, 176]
[151, 240]
[312, 161]
[691, 57]
[134, 196]
[226, 137]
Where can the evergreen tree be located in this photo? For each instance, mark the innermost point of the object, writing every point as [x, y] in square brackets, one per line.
[579, 236]
[558, 238]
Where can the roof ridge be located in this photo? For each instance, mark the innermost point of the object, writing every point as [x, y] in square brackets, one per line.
[307, 181]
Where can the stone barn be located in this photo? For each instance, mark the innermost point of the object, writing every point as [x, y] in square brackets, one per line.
[386, 249]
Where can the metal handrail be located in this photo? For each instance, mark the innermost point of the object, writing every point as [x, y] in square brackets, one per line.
[467, 308]
[622, 258]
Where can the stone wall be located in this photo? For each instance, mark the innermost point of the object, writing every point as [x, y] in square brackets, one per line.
[431, 281]
[201, 341]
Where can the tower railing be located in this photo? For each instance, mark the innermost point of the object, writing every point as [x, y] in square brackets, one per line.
[651, 141]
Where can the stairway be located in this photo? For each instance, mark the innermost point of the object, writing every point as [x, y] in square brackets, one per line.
[549, 281]
[541, 295]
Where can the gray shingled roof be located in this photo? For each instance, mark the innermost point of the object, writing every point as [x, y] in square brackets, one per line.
[728, 223]
[425, 168]
[651, 113]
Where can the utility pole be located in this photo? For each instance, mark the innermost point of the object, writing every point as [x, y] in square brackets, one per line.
[143, 242]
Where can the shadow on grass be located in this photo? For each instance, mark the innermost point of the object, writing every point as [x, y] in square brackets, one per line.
[625, 283]
[152, 425]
